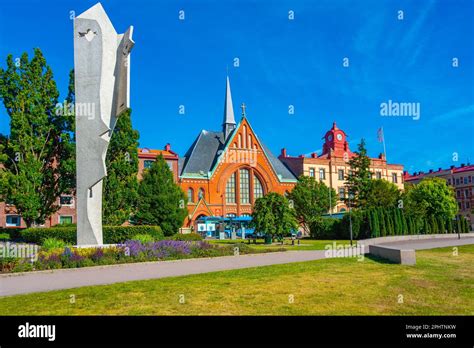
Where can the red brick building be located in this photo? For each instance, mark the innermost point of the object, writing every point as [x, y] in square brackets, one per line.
[225, 171]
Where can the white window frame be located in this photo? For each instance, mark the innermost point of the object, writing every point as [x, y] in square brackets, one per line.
[67, 205]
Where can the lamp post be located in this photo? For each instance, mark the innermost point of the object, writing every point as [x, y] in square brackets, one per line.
[457, 227]
[330, 204]
[350, 217]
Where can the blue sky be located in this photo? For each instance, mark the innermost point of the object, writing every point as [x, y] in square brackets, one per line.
[282, 62]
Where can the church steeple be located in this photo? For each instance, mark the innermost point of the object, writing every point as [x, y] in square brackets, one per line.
[229, 121]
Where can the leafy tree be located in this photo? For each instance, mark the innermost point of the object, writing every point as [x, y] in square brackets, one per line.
[405, 228]
[426, 227]
[160, 200]
[383, 222]
[382, 193]
[434, 224]
[272, 215]
[441, 224]
[431, 197]
[376, 223]
[358, 180]
[121, 183]
[310, 199]
[450, 225]
[38, 156]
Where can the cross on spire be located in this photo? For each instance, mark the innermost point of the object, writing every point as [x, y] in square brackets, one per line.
[243, 109]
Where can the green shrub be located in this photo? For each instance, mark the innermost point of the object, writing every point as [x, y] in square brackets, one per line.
[112, 234]
[187, 237]
[7, 264]
[38, 235]
[13, 232]
[343, 230]
[64, 225]
[52, 243]
[4, 236]
[119, 234]
[325, 228]
[22, 266]
[143, 238]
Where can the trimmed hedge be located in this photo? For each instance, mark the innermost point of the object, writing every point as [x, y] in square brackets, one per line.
[112, 234]
[13, 232]
[379, 222]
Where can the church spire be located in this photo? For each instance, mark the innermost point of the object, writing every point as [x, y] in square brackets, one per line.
[229, 120]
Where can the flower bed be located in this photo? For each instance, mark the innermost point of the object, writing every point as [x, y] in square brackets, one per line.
[129, 252]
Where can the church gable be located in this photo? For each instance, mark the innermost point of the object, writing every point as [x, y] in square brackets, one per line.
[244, 147]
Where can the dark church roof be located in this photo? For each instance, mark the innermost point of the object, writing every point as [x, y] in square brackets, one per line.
[278, 165]
[203, 154]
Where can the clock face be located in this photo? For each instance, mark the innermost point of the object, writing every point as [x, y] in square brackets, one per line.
[339, 136]
[330, 137]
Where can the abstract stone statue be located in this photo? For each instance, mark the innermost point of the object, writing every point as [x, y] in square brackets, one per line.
[102, 74]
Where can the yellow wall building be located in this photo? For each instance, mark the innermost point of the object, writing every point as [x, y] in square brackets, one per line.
[332, 166]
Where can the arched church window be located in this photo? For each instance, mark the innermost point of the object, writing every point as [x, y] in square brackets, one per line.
[230, 189]
[240, 192]
[244, 186]
[257, 187]
[190, 195]
[201, 193]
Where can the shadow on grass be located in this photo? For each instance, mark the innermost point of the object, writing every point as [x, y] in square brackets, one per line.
[379, 259]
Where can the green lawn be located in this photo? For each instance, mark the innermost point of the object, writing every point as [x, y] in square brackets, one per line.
[440, 284]
[305, 244]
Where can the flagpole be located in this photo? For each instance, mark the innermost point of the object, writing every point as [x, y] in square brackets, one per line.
[383, 140]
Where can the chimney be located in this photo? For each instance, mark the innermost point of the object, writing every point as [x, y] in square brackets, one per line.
[283, 153]
[452, 167]
[462, 165]
[314, 155]
[301, 156]
[440, 169]
[168, 147]
[431, 171]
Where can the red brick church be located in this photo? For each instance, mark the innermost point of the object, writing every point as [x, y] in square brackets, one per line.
[224, 172]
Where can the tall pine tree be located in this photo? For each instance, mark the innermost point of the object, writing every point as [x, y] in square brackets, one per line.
[358, 179]
[121, 183]
[160, 201]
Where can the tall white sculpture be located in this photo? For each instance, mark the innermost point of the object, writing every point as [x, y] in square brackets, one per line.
[102, 75]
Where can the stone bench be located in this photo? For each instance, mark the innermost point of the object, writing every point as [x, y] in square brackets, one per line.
[404, 257]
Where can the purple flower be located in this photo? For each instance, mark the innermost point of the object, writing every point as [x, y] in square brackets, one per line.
[97, 254]
[76, 257]
[161, 249]
[67, 252]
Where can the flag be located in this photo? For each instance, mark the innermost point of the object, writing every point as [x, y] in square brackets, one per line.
[380, 135]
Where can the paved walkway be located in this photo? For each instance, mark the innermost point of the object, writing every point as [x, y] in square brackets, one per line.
[28, 282]
[428, 243]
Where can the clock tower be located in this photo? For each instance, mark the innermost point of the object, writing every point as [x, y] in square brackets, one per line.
[335, 143]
